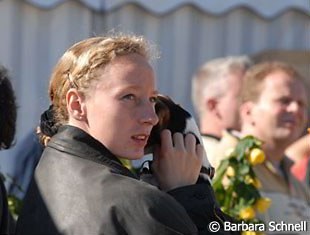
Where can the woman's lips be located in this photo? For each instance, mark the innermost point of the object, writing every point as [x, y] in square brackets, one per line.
[140, 139]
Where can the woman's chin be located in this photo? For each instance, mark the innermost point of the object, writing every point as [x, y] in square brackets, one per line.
[138, 156]
[133, 156]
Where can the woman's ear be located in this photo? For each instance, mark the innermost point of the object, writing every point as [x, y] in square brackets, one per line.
[76, 104]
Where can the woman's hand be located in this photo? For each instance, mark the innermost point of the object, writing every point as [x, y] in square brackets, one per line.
[177, 162]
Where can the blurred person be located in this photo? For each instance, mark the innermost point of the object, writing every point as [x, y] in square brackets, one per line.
[274, 109]
[299, 152]
[103, 96]
[20, 162]
[8, 113]
[216, 88]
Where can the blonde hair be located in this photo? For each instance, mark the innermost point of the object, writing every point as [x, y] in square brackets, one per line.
[255, 77]
[210, 80]
[77, 67]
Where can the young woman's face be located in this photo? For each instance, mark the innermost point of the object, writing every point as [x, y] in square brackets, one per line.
[120, 108]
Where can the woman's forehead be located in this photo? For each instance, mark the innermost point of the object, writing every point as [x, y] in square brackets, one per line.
[130, 71]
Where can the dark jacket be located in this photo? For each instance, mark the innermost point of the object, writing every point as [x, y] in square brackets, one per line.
[4, 211]
[7, 222]
[80, 187]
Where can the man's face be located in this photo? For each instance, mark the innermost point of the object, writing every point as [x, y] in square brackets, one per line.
[228, 104]
[120, 108]
[280, 114]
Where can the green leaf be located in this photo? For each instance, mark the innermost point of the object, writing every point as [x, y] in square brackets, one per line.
[243, 169]
[15, 205]
[247, 191]
[220, 195]
[220, 173]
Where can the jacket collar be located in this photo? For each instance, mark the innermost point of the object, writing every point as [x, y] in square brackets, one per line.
[75, 141]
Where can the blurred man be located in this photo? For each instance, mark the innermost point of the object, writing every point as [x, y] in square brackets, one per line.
[274, 109]
[216, 90]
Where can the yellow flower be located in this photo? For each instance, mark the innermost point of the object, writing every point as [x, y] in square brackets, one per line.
[262, 204]
[251, 233]
[247, 213]
[10, 202]
[230, 172]
[226, 182]
[248, 179]
[256, 182]
[256, 156]
[248, 233]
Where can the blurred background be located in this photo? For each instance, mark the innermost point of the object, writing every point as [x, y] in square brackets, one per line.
[35, 33]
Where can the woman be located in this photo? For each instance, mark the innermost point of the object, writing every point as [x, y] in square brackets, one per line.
[8, 116]
[103, 95]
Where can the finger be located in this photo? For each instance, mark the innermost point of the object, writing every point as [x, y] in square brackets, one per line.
[200, 151]
[166, 139]
[178, 140]
[190, 143]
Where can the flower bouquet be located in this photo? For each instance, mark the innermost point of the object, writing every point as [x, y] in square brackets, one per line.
[236, 185]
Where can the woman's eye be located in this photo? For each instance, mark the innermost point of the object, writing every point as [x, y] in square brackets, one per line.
[129, 97]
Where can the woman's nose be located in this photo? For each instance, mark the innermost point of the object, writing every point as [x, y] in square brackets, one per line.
[149, 115]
